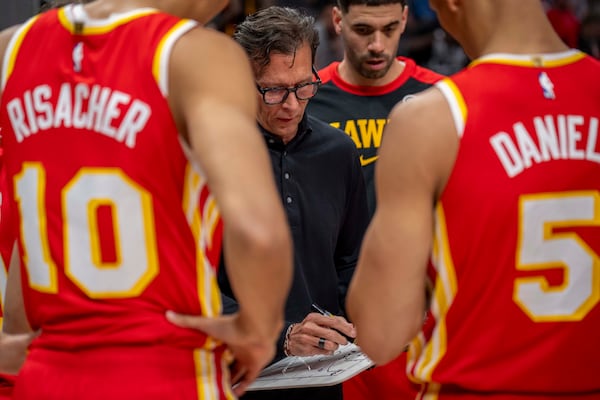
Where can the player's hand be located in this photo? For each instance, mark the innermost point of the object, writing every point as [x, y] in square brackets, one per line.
[319, 334]
[13, 350]
[251, 354]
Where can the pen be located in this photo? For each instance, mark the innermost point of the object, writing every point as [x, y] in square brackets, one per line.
[326, 313]
[321, 310]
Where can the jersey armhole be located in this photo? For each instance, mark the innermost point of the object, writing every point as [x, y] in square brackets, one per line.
[160, 64]
[10, 54]
[457, 105]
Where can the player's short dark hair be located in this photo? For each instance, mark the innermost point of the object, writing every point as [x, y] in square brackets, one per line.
[276, 29]
[344, 5]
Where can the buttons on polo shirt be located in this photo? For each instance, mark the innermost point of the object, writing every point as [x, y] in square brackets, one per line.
[289, 200]
[286, 176]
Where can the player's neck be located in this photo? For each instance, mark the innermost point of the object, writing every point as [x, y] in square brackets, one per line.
[537, 43]
[353, 77]
[105, 8]
[517, 33]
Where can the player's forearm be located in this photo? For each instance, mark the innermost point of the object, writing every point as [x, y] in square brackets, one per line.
[375, 329]
[15, 318]
[384, 301]
[260, 269]
[13, 350]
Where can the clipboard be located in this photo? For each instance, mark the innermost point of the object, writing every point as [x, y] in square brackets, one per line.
[299, 372]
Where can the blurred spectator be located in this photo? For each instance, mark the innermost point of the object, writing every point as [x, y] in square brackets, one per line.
[593, 7]
[564, 21]
[426, 43]
[589, 34]
[235, 12]
[447, 57]
[417, 39]
[330, 43]
[312, 7]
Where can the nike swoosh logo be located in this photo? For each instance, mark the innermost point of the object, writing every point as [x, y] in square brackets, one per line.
[366, 161]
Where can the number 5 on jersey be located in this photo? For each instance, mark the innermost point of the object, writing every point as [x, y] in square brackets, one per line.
[541, 248]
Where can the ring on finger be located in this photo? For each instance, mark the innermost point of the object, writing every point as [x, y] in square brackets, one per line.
[321, 344]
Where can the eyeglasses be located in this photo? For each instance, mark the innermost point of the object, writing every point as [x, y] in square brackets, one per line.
[303, 91]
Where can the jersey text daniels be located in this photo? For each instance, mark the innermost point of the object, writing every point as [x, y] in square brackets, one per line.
[559, 137]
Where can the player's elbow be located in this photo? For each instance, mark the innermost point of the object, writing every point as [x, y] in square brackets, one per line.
[15, 321]
[385, 343]
[267, 239]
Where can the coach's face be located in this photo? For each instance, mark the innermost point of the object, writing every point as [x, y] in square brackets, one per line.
[284, 71]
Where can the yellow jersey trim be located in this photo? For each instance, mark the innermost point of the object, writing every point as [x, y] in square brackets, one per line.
[160, 64]
[531, 60]
[456, 102]
[95, 27]
[13, 49]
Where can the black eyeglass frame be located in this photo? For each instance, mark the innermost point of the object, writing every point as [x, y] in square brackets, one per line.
[316, 84]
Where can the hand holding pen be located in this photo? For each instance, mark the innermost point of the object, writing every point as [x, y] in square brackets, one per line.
[318, 333]
[326, 313]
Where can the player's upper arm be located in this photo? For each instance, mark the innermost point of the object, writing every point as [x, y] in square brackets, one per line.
[415, 160]
[208, 67]
[419, 148]
[214, 100]
[5, 37]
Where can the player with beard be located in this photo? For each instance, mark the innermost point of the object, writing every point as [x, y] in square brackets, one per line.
[356, 96]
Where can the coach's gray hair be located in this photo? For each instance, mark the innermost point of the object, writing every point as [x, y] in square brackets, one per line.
[276, 29]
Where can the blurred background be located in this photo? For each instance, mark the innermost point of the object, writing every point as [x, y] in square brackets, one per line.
[576, 21]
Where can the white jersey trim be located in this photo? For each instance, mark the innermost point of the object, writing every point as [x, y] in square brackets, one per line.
[455, 103]
[8, 62]
[163, 53]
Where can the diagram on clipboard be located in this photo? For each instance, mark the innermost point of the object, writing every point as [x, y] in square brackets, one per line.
[295, 372]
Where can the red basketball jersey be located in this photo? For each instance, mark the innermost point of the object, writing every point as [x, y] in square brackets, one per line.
[7, 235]
[116, 226]
[7, 241]
[515, 309]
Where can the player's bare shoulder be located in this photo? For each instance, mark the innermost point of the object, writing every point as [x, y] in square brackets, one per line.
[206, 64]
[5, 37]
[426, 125]
[208, 50]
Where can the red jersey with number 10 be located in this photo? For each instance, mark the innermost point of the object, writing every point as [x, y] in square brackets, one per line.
[516, 304]
[116, 225]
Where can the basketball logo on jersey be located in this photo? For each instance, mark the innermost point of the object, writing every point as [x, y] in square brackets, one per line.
[77, 56]
[547, 86]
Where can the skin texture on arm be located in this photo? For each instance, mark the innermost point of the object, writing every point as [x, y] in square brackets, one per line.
[16, 332]
[15, 319]
[13, 347]
[386, 296]
[214, 105]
